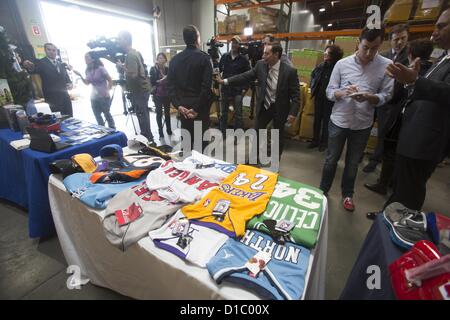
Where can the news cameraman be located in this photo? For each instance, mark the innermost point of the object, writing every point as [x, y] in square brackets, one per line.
[137, 82]
[232, 63]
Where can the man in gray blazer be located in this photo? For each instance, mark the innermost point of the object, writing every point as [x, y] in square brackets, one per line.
[278, 90]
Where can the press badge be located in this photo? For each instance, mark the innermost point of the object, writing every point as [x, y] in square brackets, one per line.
[181, 227]
[221, 209]
[284, 226]
[257, 263]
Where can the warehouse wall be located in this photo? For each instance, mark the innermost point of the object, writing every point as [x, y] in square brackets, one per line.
[203, 18]
[303, 22]
[174, 16]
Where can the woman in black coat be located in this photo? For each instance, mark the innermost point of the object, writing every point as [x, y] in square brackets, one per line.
[320, 77]
[158, 79]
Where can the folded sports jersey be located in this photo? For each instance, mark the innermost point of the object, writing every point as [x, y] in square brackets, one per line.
[94, 195]
[282, 277]
[297, 203]
[189, 180]
[196, 244]
[154, 212]
[240, 196]
[121, 176]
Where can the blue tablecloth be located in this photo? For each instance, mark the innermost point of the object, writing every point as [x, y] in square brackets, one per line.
[24, 176]
[379, 250]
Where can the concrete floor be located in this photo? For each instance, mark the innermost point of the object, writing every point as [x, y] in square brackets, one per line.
[36, 269]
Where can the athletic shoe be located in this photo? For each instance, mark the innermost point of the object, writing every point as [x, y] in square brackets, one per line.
[348, 204]
[406, 226]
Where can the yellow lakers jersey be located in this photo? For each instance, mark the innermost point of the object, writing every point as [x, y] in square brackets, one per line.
[241, 196]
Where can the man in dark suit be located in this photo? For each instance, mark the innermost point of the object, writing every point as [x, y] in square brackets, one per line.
[278, 92]
[189, 84]
[398, 54]
[425, 130]
[55, 80]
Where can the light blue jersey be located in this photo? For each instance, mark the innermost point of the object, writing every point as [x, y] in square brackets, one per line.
[282, 278]
[94, 195]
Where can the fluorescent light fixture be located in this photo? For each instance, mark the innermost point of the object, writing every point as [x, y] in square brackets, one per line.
[330, 24]
[322, 10]
[304, 11]
[248, 31]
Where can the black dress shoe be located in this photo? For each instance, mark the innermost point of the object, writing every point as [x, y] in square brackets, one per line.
[377, 188]
[372, 215]
[371, 166]
[313, 145]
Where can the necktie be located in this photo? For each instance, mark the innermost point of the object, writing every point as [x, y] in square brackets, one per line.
[268, 98]
[55, 63]
[434, 68]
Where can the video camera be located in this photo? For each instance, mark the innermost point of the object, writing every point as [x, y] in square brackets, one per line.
[106, 48]
[254, 49]
[213, 50]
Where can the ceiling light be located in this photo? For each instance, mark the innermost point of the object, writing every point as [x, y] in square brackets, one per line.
[322, 10]
[304, 11]
[330, 24]
[248, 31]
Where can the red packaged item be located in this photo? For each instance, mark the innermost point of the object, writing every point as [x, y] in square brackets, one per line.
[421, 274]
[129, 214]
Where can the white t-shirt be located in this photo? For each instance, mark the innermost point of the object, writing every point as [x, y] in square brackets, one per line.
[202, 245]
[190, 180]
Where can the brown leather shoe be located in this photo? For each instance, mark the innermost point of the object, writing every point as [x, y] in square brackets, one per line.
[376, 187]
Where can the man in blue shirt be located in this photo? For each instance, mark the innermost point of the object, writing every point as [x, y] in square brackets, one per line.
[358, 85]
[232, 63]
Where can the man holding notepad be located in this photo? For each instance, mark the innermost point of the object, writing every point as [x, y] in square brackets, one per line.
[357, 86]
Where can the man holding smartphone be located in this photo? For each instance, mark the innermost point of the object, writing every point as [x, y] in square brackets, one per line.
[357, 86]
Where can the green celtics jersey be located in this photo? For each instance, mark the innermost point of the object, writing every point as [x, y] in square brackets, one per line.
[298, 204]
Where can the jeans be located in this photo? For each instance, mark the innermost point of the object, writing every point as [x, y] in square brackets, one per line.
[224, 105]
[356, 143]
[102, 105]
[139, 102]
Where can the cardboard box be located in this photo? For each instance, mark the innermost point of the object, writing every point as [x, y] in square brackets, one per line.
[306, 126]
[427, 10]
[306, 59]
[399, 11]
[373, 138]
[235, 23]
[265, 19]
[348, 44]
[221, 27]
[308, 107]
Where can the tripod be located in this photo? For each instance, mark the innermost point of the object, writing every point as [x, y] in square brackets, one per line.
[128, 109]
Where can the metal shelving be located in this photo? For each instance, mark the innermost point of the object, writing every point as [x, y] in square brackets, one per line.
[232, 5]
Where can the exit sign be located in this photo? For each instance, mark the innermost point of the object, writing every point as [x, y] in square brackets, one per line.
[36, 30]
